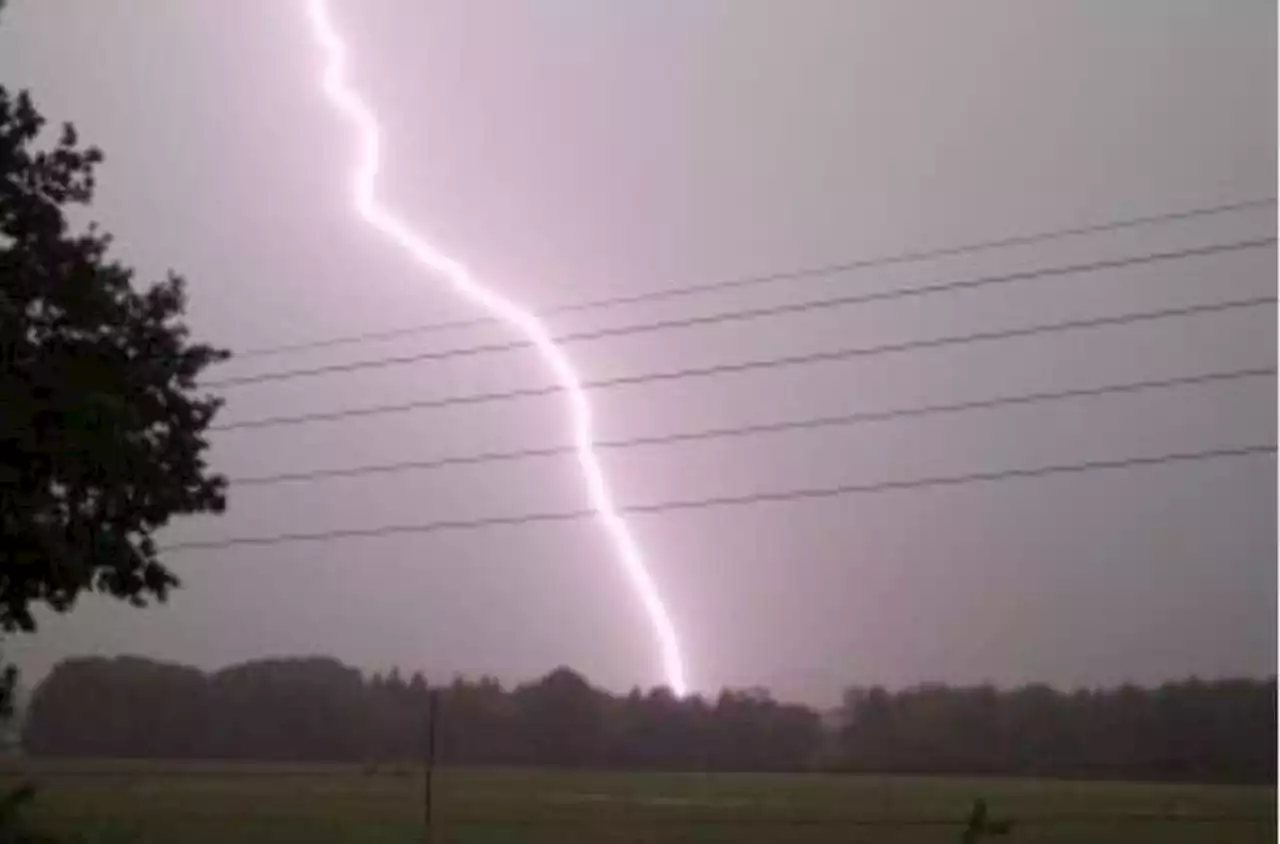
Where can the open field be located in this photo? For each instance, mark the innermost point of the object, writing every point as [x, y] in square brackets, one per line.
[150, 803]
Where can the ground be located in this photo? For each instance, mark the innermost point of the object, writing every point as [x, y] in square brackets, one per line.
[155, 803]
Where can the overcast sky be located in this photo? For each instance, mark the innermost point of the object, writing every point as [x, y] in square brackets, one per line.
[574, 149]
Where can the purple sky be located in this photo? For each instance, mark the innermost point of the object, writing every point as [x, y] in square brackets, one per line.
[573, 149]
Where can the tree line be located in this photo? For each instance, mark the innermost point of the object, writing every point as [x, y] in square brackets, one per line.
[319, 710]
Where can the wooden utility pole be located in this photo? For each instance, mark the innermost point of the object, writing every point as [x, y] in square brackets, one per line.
[433, 709]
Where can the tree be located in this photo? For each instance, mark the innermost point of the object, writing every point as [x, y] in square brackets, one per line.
[101, 432]
[563, 719]
[102, 438]
[317, 709]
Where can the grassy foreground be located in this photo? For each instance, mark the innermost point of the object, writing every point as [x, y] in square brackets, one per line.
[151, 803]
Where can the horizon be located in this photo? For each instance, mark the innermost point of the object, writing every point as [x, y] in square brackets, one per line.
[439, 680]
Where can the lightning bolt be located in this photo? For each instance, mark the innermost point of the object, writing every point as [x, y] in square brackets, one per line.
[355, 110]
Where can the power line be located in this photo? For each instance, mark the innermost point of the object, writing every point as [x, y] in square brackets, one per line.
[749, 313]
[752, 365]
[809, 494]
[812, 272]
[764, 428]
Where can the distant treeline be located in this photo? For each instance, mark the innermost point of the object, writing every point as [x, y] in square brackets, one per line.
[316, 709]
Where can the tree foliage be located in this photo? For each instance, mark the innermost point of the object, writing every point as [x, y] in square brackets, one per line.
[1194, 730]
[319, 710]
[102, 432]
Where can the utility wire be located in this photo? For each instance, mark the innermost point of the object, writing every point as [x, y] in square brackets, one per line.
[764, 428]
[752, 365]
[748, 314]
[809, 494]
[792, 275]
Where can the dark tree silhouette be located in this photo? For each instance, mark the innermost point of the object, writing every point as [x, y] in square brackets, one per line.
[102, 433]
[563, 719]
[318, 710]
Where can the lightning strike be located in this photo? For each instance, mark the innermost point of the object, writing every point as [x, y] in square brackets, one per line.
[350, 105]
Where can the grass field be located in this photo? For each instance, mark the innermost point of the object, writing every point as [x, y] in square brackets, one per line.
[146, 803]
